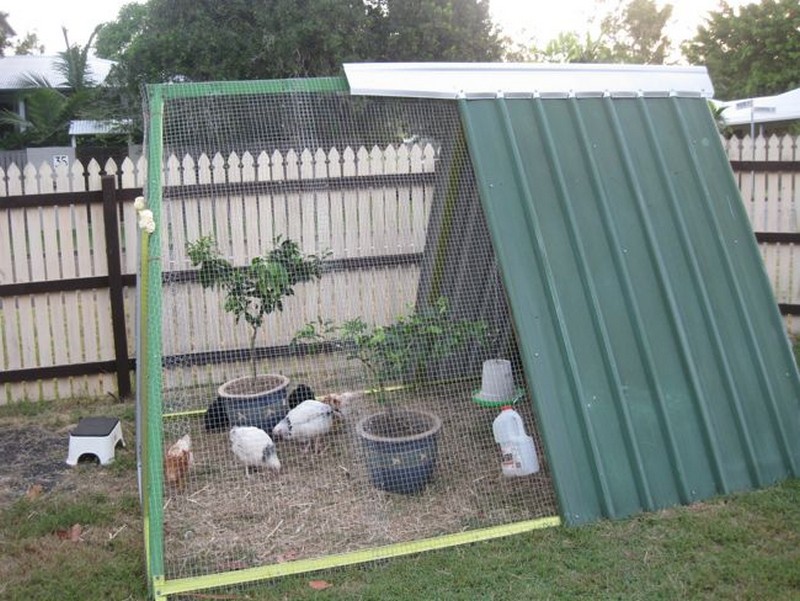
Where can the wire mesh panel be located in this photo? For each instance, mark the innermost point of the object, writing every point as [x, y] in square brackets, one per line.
[332, 339]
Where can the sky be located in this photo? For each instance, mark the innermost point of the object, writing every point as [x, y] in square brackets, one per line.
[541, 20]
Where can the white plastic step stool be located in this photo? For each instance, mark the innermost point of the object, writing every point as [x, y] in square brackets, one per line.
[96, 436]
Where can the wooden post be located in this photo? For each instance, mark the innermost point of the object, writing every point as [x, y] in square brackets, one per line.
[115, 286]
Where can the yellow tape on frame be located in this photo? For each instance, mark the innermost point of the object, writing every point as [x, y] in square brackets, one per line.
[183, 585]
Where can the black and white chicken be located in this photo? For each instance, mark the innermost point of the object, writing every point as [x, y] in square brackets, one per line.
[308, 423]
[253, 447]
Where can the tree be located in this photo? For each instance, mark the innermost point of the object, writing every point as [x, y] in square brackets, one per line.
[27, 45]
[114, 38]
[433, 30]
[630, 32]
[6, 33]
[206, 40]
[750, 51]
[201, 40]
[634, 32]
[568, 47]
[30, 44]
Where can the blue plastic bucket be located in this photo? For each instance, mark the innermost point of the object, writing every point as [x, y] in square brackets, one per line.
[402, 464]
[261, 403]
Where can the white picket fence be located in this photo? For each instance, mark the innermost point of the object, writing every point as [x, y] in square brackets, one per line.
[368, 220]
[377, 214]
[770, 190]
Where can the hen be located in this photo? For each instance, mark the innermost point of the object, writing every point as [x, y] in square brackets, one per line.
[215, 418]
[308, 423]
[177, 462]
[342, 402]
[254, 448]
[303, 392]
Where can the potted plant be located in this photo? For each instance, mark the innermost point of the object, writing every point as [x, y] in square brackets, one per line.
[252, 292]
[400, 444]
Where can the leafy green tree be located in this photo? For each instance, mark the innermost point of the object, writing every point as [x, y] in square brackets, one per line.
[432, 30]
[5, 34]
[201, 40]
[115, 37]
[629, 32]
[634, 32]
[30, 44]
[206, 40]
[568, 47]
[750, 51]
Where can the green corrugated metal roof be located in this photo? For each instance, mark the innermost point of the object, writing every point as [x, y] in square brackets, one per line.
[650, 337]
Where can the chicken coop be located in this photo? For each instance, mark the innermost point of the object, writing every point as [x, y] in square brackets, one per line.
[426, 305]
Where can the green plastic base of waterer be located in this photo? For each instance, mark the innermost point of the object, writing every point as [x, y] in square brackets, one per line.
[494, 403]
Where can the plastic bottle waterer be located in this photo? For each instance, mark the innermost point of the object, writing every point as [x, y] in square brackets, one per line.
[516, 447]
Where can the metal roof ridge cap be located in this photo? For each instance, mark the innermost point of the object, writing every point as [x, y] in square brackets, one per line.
[482, 80]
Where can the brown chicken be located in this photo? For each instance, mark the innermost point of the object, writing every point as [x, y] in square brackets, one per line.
[178, 460]
[342, 402]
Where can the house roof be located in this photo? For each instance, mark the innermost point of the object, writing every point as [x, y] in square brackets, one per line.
[14, 68]
[762, 109]
[89, 127]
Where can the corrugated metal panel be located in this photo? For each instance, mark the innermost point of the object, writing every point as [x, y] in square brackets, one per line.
[647, 327]
[88, 127]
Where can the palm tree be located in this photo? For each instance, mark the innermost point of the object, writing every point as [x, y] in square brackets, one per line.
[73, 63]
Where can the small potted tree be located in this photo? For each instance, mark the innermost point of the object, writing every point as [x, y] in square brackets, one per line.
[400, 444]
[252, 292]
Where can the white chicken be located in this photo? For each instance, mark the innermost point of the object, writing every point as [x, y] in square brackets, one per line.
[178, 460]
[253, 447]
[308, 423]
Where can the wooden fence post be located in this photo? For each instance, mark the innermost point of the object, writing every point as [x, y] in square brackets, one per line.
[110, 218]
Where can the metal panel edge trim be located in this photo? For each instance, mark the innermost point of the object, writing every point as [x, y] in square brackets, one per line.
[487, 80]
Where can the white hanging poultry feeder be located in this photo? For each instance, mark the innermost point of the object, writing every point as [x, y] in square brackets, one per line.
[497, 385]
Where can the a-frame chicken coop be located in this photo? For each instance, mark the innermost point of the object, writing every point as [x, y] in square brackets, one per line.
[578, 225]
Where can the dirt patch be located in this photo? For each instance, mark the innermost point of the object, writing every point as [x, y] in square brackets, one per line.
[31, 455]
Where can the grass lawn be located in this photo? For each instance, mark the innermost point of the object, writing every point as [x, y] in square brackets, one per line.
[79, 537]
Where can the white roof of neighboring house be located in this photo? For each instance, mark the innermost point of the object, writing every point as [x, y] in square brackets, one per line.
[14, 68]
[764, 109]
[89, 127]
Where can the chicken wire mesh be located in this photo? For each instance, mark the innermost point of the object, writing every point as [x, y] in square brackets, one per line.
[327, 285]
